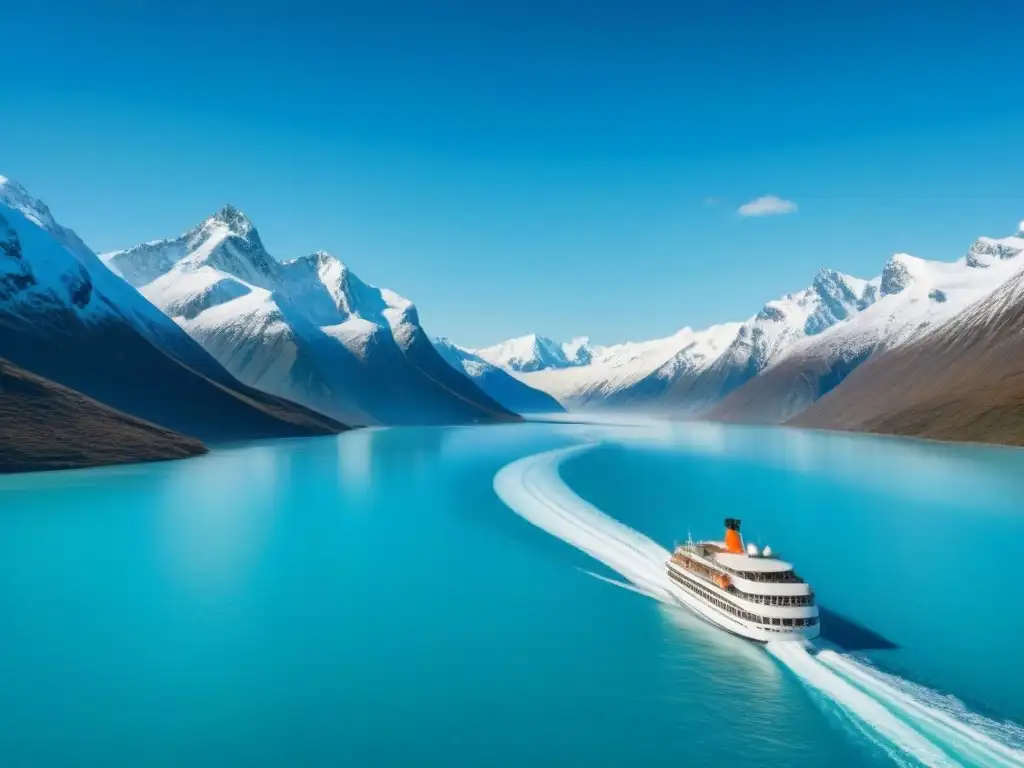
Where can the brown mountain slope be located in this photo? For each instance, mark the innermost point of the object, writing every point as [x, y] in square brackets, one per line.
[786, 389]
[963, 381]
[44, 425]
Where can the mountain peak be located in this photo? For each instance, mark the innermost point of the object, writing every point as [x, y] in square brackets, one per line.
[322, 258]
[829, 282]
[13, 187]
[827, 275]
[236, 221]
[317, 260]
[578, 351]
[987, 251]
[895, 275]
[16, 196]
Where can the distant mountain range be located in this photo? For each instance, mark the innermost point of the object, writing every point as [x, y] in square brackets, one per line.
[151, 351]
[926, 348]
[496, 382]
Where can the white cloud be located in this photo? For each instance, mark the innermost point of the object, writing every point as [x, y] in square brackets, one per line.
[769, 205]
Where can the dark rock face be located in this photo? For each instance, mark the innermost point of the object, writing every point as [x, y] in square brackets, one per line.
[10, 245]
[79, 288]
[895, 277]
[15, 274]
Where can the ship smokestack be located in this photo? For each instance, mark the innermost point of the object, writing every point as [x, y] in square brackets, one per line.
[733, 542]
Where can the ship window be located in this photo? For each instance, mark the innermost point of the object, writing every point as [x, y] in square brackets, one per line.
[787, 622]
[775, 621]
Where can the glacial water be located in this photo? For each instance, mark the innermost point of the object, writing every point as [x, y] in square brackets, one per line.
[495, 596]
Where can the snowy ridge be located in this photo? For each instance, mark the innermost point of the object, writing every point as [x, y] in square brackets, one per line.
[65, 316]
[776, 363]
[496, 382]
[766, 338]
[307, 329]
[73, 277]
[917, 297]
[691, 370]
[614, 370]
[537, 353]
[38, 274]
[916, 294]
[15, 196]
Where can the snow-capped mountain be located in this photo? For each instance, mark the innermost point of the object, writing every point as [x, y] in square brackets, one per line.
[625, 375]
[765, 339]
[691, 370]
[496, 382]
[960, 374]
[769, 368]
[537, 353]
[65, 317]
[915, 295]
[306, 329]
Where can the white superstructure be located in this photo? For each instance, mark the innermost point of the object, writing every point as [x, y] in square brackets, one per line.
[749, 593]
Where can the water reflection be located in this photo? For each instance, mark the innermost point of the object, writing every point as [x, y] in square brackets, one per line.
[355, 459]
[215, 515]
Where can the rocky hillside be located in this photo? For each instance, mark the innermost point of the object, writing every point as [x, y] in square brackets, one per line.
[48, 426]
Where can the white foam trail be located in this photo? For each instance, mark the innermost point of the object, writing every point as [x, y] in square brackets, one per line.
[1002, 732]
[962, 737]
[896, 720]
[859, 704]
[533, 488]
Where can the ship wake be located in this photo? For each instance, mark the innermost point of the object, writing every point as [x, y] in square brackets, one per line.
[912, 723]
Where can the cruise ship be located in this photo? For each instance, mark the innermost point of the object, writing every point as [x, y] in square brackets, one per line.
[745, 591]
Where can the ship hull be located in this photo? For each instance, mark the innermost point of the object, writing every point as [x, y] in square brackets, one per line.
[740, 628]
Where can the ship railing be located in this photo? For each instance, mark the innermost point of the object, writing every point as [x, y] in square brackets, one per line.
[796, 601]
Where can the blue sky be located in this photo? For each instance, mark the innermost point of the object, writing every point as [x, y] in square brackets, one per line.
[564, 168]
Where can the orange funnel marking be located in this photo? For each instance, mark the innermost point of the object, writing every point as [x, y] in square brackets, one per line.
[733, 543]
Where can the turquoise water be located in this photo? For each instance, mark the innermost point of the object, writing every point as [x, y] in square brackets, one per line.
[370, 600]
